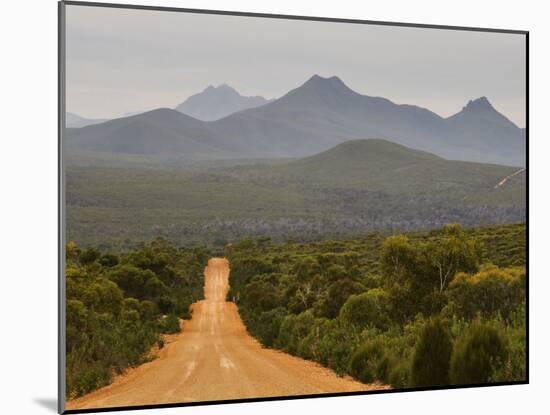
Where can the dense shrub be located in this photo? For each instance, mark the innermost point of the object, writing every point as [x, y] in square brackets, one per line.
[327, 300]
[171, 324]
[432, 355]
[337, 345]
[338, 293]
[399, 375]
[366, 309]
[270, 325]
[294, 329]
[489, 292]
[310, 346]
[365, 363]
[478, 354]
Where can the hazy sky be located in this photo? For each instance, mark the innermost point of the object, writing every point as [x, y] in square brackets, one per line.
[121, 61]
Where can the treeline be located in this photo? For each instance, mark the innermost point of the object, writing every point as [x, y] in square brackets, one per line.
[119, 305]
[425, 309]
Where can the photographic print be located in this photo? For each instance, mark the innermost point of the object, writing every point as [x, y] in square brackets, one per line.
[258, 207]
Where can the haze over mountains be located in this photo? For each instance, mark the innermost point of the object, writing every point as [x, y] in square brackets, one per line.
[217, 102]
[73, 120]
[314, 117]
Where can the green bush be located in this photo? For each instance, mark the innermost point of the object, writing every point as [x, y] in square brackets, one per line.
[365, 362]
[366, 309]
[490, 292]
[399, 376]
[338, 293]
[337, 345]
[89, 255]
[171, 324]
[431, 358]
[478, 354]
[268, 325]
[294, 329]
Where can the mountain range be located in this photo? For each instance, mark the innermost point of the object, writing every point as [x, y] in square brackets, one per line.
[218, 102]
[314, 117]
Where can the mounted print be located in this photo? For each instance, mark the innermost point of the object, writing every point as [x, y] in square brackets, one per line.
[258, 207]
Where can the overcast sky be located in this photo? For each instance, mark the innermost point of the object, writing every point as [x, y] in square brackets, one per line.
[121, 61]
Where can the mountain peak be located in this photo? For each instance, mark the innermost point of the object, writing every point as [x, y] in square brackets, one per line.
[222, 88]
[478, 104]
[317, 90]
[216, 102]
[318, 80]
[481, 109]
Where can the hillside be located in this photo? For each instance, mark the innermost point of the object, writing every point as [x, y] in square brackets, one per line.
[314, 117]
[157, 132]
[357, 186]
[377, 164]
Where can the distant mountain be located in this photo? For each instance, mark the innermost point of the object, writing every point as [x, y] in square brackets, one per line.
[479, 125]
[161, 131]
[217, 102]
[314, 117]
[73, 120]
[324, 112]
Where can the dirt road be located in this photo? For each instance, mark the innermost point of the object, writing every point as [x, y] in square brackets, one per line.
[215, 359]
[503, 181]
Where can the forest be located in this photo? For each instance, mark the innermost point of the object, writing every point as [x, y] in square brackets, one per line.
[119, 305]
[434, 308]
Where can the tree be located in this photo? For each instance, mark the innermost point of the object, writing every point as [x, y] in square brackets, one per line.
[490, 292]
[267, 326]
[293, 329]
[398, 259]
[109, 260]
[451, 253]
[366, 309]
[336, 272]
[137, 282]
[338, 293]
[260, 295]
[89, 255]
[432, 355]
[305, 269]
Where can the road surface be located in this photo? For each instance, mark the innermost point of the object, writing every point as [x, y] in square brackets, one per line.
[503, 181]
[214, 358]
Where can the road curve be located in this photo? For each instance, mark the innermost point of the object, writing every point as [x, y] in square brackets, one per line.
[214, 358]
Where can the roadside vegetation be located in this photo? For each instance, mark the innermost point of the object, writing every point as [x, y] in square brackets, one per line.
[435, 308]
[119, 305]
